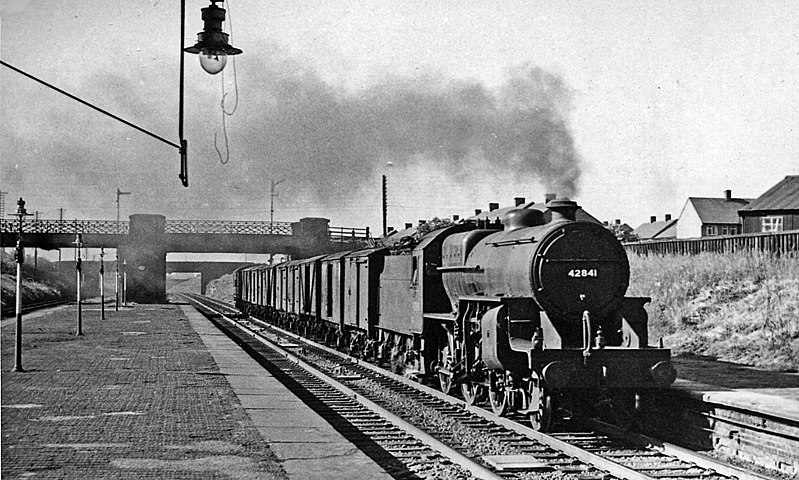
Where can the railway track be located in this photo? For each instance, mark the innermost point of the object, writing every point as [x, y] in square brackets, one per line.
[31, 307]
[474, 439]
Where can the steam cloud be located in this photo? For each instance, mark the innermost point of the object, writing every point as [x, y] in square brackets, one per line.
[334, 139]
[290, 123]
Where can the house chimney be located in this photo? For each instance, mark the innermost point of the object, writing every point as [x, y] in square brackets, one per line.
[668, 217]
[477, 211]
[519, 201]
[492, 206]
[605, 223]
[422, 222]
[455, 218]
[618, 221]
[549, 197]
[653, 219]
[408, 225]
[728, 195]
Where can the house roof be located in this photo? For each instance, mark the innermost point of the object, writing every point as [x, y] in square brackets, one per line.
[782, 196]
[648, 231]
[718, 210]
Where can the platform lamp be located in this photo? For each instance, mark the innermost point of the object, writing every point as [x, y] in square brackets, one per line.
[102, 284]
[78, 244]
[19, 256]
[212, 43]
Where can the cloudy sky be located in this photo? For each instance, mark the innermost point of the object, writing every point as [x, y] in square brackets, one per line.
[628, 107]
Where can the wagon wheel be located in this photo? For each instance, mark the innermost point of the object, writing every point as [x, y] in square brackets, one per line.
[472, 392]
[540, 409]
[497, 395]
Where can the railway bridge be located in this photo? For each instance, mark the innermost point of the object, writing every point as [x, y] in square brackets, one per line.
[143, 242]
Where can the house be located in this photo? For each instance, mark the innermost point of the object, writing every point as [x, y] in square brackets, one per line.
[707, 217]
[776, 210]
[657, 230]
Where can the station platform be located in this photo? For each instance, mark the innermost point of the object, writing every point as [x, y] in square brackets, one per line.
[739, 386]
[155, 391]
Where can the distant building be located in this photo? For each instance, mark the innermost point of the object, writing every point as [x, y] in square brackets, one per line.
[707, 217]
[776, 210]
[657, 230]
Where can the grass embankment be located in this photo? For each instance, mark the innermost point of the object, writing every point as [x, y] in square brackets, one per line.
[742, 308]
[41, 282]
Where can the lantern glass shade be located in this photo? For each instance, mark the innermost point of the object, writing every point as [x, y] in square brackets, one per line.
[213, 62]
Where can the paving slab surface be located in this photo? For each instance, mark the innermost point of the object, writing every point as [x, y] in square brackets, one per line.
[149, 393]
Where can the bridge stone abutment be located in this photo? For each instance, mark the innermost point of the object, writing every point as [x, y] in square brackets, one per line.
[144, 256]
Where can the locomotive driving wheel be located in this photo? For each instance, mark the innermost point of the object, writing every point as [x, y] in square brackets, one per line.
[540, 406]
[497, 394]
[472, 392]
[445, 377]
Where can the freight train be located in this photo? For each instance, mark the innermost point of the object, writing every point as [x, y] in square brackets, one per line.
[528, 315]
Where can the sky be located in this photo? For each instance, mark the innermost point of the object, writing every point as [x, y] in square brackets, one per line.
[627, 107]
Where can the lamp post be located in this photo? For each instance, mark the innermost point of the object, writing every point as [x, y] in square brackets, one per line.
[124, 282]
[102, 284]
[19, 254]
[78, 243]
[116, 280]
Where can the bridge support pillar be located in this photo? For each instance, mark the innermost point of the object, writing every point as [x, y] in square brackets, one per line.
[144, 256]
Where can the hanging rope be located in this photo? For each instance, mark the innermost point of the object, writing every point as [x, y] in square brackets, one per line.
[225, 113]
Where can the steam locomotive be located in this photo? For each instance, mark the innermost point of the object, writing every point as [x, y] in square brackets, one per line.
[528, 315]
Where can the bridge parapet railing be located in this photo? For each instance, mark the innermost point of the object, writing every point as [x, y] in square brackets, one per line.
[348, 234]
[103, 227]
[228, 227]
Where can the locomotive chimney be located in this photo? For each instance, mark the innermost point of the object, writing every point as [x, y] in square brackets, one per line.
[653, 219]
[563, 209]
[549, 197]
[668, 217]
[728, 195]
[492, 206]
[519, 201]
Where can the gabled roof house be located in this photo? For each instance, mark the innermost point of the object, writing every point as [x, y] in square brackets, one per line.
[706, 217]
[776, 210]
[657, 229]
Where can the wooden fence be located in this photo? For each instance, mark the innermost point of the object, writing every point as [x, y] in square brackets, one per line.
[778, 243]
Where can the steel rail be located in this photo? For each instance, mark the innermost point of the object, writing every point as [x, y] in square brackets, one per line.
[456, 457]
[587, 457]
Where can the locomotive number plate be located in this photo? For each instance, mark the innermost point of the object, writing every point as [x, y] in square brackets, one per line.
[577, 273]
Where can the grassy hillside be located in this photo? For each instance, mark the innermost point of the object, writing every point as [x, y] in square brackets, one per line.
[41, 283]
[739, 308]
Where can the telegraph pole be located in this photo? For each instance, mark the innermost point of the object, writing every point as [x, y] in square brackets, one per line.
[272, 195]
[385, 207]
